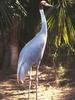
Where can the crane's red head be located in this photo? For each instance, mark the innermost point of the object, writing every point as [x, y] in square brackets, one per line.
[43, 3]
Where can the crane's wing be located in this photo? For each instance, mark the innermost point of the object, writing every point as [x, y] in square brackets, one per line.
[30, 55]
[33, 49]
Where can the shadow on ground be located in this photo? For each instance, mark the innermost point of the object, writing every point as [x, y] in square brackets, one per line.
[11, 90]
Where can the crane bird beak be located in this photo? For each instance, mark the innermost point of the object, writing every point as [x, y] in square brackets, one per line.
[48, 5]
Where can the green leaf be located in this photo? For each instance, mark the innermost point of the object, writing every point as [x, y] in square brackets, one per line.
[65, 36]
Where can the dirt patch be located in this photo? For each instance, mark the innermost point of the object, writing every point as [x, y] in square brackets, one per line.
[11, 90]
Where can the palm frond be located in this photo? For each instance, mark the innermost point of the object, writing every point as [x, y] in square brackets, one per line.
[8, 9]
[65, 33]
[5, 14]
[20, 7]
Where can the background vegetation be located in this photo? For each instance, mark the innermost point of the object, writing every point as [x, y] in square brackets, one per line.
[20, 21]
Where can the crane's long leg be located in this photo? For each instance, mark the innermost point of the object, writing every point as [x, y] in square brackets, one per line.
[37, 69]
[30, 78]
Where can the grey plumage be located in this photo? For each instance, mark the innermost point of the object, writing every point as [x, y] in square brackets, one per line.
[32, 52]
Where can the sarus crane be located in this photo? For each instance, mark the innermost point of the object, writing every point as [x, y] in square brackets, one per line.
[32, 53]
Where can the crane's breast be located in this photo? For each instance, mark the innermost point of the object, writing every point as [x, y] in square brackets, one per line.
[33, 51]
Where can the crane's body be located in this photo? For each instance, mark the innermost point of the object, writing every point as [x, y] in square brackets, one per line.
[33, 51]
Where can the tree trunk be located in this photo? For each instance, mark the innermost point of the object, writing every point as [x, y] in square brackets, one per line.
[14, 43]
[2, 50]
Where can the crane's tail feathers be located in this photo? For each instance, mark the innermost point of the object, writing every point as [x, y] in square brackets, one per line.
[19, 80]
[22, 71]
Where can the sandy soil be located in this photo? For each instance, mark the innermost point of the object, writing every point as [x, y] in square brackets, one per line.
[11, 90]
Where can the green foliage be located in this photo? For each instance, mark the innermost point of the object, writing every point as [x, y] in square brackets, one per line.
[64, 15]
[8, 9]
[5, 16]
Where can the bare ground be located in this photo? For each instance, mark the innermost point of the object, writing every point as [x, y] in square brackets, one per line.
[47, 90]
